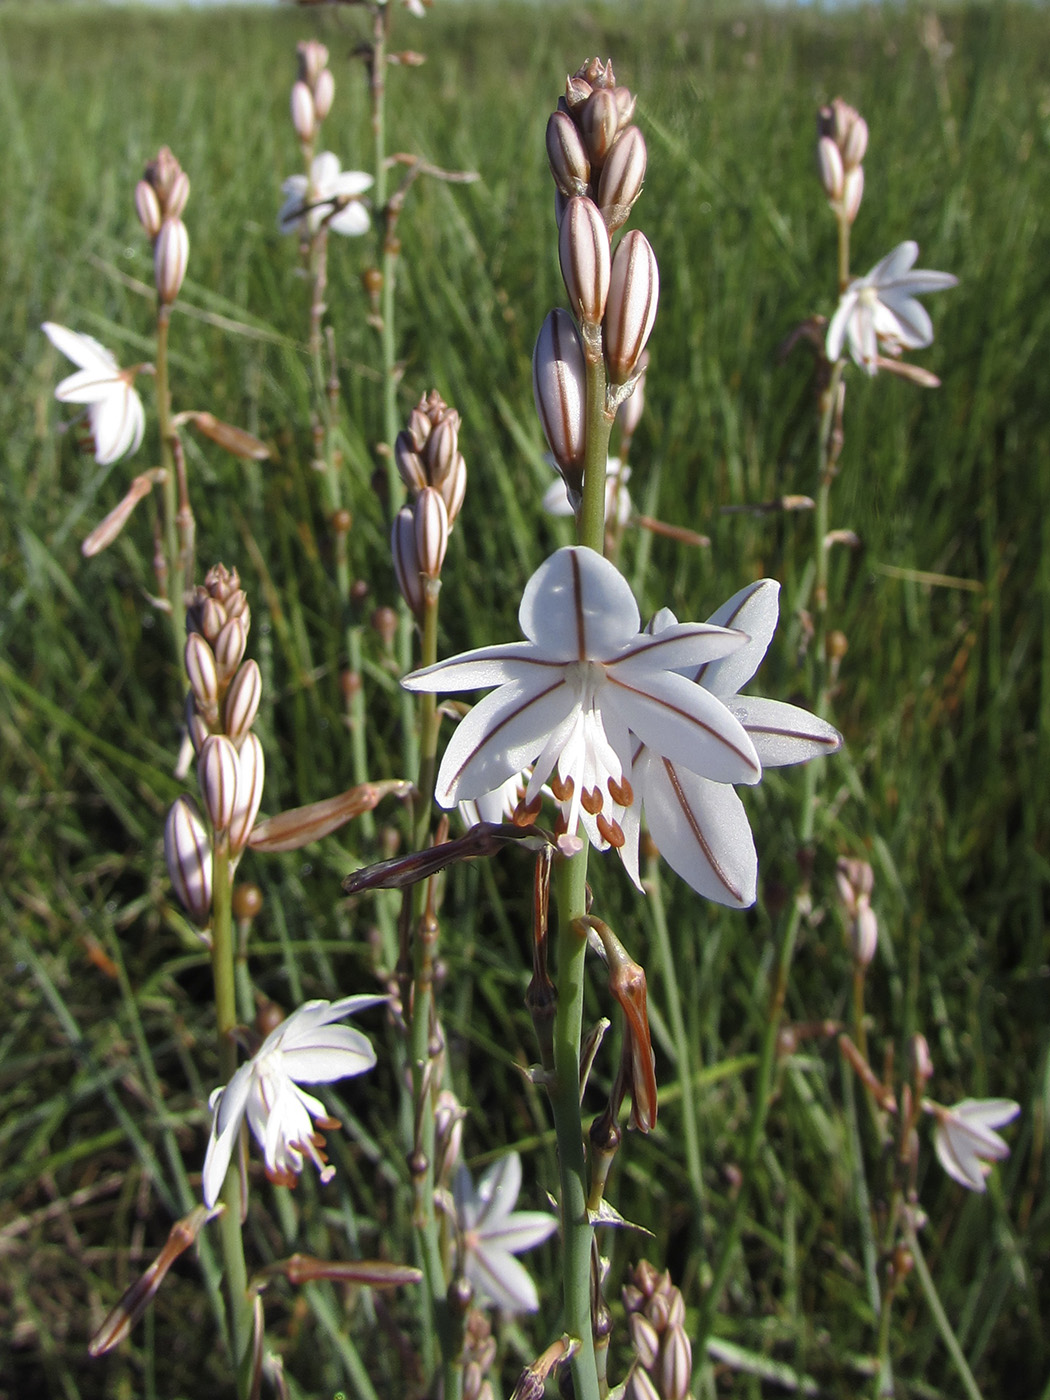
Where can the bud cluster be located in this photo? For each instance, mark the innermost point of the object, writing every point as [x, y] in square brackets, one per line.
[656, 1319]
[160, 197]
[479, 1356]
[433, 470]
[597, 158]
[221, 707]
[842, 139]
[855, 880]
[312, 92]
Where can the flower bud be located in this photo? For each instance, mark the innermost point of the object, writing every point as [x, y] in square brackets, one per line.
[201, 672]
[107, 529]
[430, 520]
[242, 701]
[212, 619]
[251, 770]
[229, 647]
[304, 114]
[625, 104]
[171, 252]
[634, 291]
[640, 1386]
[313, 58]
[921, 1059]
[178, 194]
[583, 247]
[187, 852]
[196, 726]
[559, 386]
[853, 192]
[217, 775]
[599, 123]
[864, 934]
[409, 465]
[856, 142]
[829, 167]
[644, 1338]
[567, 156]
[324, 93]
[442, 445]
[676, 1364]
[406, 561]
[621, 178]
[147, 207]
[454, 488]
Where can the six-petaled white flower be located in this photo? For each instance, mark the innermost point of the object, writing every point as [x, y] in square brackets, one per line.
[570, 696]
[491, 1232]
[700, 826]
[114, 409]
[965, 1139]
[307, 1048]
[880, 310]
[311, 202]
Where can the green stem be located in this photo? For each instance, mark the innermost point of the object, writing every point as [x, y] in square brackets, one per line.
[936, 1307]
[388, 254]
[175, 588]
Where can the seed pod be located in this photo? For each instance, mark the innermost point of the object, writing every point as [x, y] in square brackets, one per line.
[304, 114]
[242, 701]
[567, 155]
[202, 673]
[583, 248]
[829, 167]
[147, 207]
[559, 386]
[171, 253]
[406, 561]
[187, 851]
[621, 178]
[430, 520]
[634, 291]
[251, 770]
[599, 123]
[217, 776]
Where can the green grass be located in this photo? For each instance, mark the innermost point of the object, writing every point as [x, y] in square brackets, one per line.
[944, 695]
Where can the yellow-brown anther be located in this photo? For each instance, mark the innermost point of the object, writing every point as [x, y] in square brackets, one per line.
[621, 793]
[591, 800]
[610, 831]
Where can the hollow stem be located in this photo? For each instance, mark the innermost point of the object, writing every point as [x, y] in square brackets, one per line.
[177, 575]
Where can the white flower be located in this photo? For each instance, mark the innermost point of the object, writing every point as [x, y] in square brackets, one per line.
[964, 1137]
[618, 505]
[492, 1232]
[881, 308]
[700, 826]
[311, 201]
[114, 409]
[499, 805]
[569, 697]
[306, 1048]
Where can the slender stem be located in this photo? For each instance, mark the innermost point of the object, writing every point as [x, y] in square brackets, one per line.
[844, 228]
[935, 1305]
[388, 254]
[176, 586]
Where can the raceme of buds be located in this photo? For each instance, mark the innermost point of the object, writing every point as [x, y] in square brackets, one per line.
[842, 140]
[219, 598]
[593, 149]
[586, 259]
[171, 251]
[313, 58]
[170, 184]
[559, 386]
[187, 852]
[634, 291]
[656, 1319]
[427, 453]
[855, 880]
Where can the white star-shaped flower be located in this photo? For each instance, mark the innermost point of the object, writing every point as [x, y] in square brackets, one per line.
[491, 1232]
[881, 310]
[965, 1141]
[306, 1048]
[568, 698]
[618, 504]
[311, 201]
[114, 409]
[700, 826]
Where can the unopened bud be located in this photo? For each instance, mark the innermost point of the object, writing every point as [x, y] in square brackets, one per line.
[567, 156]
[856, 143]
[217, 774]
[324, 93]
[147, 207]
[829, 168]
[229, 647]
[442, 445]
[644, 1338]
[409, 463]
[921, 1059]
[107, 530]
[640, 1386]
[178, 196]
[864, 935]
[621, 178]
[454, 488]
[583, 247]
[201, 672]
[304, 114]
[599, 122]
[634, 291]
[251, 770]
[431, 531]
[187, 852]
[676, 1364]
[559, 386]
[242, 701]
[313, 57]
[171, 253]
[852, 193]
[406, 561]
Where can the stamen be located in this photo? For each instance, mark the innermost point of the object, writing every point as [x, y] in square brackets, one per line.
[561, 787]
[592, 801]
[621, 793]
[610, 831]
[525, 813]
[329, 1124]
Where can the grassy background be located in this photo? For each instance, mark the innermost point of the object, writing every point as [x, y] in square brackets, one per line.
[105, 1058]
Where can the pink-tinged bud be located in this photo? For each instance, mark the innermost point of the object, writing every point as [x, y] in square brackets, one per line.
[855, 144]
[634, 291]
[644, 1338]
[676, 1364]
[567, 156]
[107, 530]
[583, 247]
[212, 619]
[454, 488]
[629, 414]
[147, 207]
[217, 776]
[599, 123]
[409, 465]
[621, 178]
[625, 104]
[229, 647]
[419, 426]
[178, 195]
[251, 770]
[171, 253]
[442, 445]
[201, 672]
[406, 561]
[313, 57]
[657, 1310]
[829, 167]
[577, 91]
[676, 1312]
[304, 113]
[853, 192]
[864, 934]
[640, 1386]
[431, 531]
[559, 386]
[187, 851]
[242, 701]
[324, 93]
[921, 1059]
[196, 727]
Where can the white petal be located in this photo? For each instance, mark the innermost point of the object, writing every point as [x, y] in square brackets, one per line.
[350, 184]
[914, 329]
[482, 668]
[500, 1278]
[521, 1230]
[83, 350]
[754, 610]
[958, 1159]
[685, 646]
[300, 1028]
[894, 264]
[226, 1123]
[344, 1053]
[497, 1191]
[839, 324]
[87, 386]
[702, 831]
[784, 734]
[685, 723]
[324, 172]
[501, 735]
[578, 605]
[352, 221]
[117, 424]
[987, 1113]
